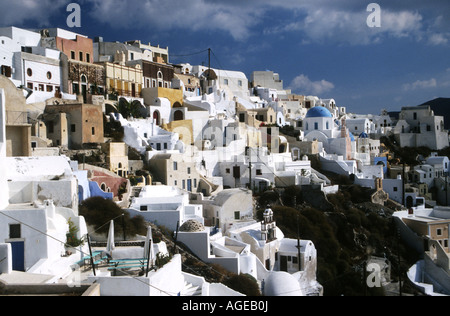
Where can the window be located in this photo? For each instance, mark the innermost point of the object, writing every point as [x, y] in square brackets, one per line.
[258, 172]
[88, 57]
[29, 72]
[41, 87]
[143, 208]
[165, 145]
[195, 183]
[395, 189]
[6, 71]
[49, 75]
[81, 56]
[93, 131]
[189, 170]
[240, 83]
[50, 127]
[72, 128]
[228, 170]
[15, 231]
[72, 55]
[237, 215]
[439, 231]
[30, 85]
[175, 166]
[316, 125]
[225, 81]
[184, 184]
[49, 88]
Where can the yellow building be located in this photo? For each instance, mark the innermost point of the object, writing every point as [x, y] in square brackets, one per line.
[175, 96]
[18, 130]
[117, 158]
[124, 80]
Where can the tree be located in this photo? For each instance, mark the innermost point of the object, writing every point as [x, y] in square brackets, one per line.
[98, 211]
[127, 108]
[72, 239]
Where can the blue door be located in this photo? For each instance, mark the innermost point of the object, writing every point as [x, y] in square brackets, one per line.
[189, 185]
[18, 255]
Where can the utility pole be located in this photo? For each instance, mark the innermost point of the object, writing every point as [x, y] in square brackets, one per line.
[90, 254]
[209, 64]
[298, 245]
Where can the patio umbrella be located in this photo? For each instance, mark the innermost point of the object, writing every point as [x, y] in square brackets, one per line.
[110, 245]
[148, 243]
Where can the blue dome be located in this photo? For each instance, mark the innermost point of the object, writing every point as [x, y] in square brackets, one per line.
[319, 111]
[363, 135]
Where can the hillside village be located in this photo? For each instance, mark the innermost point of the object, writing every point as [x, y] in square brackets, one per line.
[222, 170]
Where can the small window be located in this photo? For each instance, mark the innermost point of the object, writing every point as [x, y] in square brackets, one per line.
[41, 87]
[258, 172]
[439, 232]
[29, 72]
[189, 170]
[175, 166]
[228, 171]
[93, 131]
[72, 128]
[88, 57]
[237, 215]
[81, 56]
[49, 75]
[72, 55]
[49, 88]
[15, 231]
[143, 208]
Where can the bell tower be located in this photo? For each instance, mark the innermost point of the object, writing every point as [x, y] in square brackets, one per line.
[268, 225]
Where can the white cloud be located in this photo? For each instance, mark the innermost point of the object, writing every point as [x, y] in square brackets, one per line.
[195, 15]
[39, 12]
[420, 84]
[302, 84]
[438, 39]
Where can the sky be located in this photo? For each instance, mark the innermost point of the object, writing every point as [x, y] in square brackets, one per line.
[367, 57]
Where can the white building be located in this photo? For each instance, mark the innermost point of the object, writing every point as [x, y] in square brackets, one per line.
[166, 206]
[33, 179]
[142, 134]
[32, 226]
[27, 64]
[420, 127]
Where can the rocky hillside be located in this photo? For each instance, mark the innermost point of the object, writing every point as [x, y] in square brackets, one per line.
[344, 235]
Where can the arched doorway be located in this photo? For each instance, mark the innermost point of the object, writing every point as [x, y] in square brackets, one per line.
[84, 88]
[156, 117]
[178, 115]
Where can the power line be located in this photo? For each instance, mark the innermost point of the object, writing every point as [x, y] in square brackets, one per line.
[45, 234]
[191, 54]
